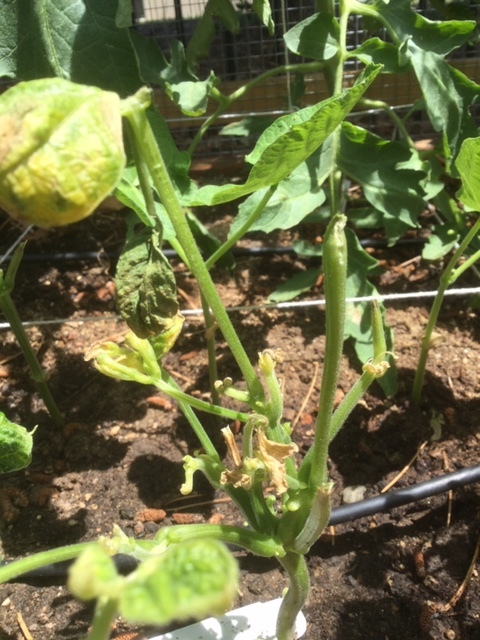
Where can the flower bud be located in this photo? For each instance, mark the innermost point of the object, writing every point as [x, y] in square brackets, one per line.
[61, 150]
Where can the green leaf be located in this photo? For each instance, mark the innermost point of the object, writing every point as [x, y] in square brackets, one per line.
[443, 239]
[293, 287]
[15, 446]
[468, 165]
[289, 142]
[377, 51]
[78, 41]
[93, 575]
[264, 11]
[389, 175]
[192, 97]
[440, 37]
[199, 45]
[249, 126]
[358, 323]
[448, 95]
[316, 37]
[193, 579]
[294, 198]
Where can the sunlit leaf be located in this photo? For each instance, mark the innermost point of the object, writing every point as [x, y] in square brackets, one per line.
[289, 141]
[296, 285]
[15, 446]
[468, 165]
[316, 37]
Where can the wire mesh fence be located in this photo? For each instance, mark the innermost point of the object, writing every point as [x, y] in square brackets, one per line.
[237, 58]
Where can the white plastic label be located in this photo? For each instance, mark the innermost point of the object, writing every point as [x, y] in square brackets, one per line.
[253, 622]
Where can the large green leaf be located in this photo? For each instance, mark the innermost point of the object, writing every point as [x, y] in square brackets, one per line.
[440, 37]
[295, 197]
[77, 40]
[289, 141]
[390, 174]
[468, 165]
[447, 92]
[316, 37]
[15, 446]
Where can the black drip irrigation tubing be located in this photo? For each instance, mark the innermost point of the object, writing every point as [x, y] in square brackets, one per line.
[82, 256]
[346, 513]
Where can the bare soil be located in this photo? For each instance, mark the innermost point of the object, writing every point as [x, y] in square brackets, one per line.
[119, 458]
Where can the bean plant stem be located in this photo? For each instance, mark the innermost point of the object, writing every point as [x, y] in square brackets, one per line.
[156, 165]
[10, 312]
[448, 277]
[105, 611]
[298, 589]
[41, 559]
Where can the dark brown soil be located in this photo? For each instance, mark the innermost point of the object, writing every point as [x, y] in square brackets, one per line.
[389, 576]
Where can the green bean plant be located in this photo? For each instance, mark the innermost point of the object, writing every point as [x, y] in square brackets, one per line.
[285, 501]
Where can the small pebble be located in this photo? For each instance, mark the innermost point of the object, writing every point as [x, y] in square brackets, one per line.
[355, 493]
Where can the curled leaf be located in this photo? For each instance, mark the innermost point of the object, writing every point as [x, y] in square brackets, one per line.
[15, 446]
[147, 292]
[61, 150]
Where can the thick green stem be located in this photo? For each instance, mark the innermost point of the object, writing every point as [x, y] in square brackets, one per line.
[298, 589]
[42, 559]
[258, 543]
[154, 160]
[447, 278]
[105, 611]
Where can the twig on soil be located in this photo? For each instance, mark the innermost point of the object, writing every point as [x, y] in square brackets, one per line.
[23, 627]
[307, 397]
[405, 468]
[447, 467]
[463, 587]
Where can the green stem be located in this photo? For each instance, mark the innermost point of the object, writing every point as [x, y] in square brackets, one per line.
[151, 153]
[168, 386]
[226, 101]
[258, 543]
[298, 589]
[379, 104]
[243, 229]
[447, 278]
[42, 559]
[105, 612]
[211, 350]
[11, 314]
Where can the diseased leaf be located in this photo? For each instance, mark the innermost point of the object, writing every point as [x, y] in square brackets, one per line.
[15, 446]
[316, 37]
[289, 142]
[61, 150]
[146, 291]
